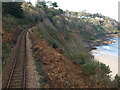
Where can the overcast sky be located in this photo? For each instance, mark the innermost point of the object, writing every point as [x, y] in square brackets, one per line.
[105, 7]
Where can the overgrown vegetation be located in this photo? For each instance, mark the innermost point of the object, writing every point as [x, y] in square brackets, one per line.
[14, 9]
[6, 52]
[117, 77]
[91, 68]
[68, 32]
[71, 32]
[38, 64]
[14, 21]
[42, 80]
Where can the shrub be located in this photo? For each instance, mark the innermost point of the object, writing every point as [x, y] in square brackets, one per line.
[6, 50]
[39, 69]
[90, 67]
[105, 68]
[81, 57]
[53, 44]
[117, 77]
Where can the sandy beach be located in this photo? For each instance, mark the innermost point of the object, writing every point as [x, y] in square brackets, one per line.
[107, 59]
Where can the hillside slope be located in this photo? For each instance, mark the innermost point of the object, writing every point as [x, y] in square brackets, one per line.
[59, 71]
[62, 41]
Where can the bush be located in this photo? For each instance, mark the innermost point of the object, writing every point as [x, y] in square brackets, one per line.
[105, 68]
[6, 50]
[92, 66]
[81, 57]
[39, 69]
[53, 44]
[117, 77]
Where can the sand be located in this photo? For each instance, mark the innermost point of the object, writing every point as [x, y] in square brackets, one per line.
[107, 59]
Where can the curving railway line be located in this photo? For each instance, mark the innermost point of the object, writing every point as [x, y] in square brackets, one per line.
[17, 73]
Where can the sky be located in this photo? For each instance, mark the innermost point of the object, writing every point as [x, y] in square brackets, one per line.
[105, 7]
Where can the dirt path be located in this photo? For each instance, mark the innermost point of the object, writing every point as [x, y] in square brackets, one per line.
[32, 75]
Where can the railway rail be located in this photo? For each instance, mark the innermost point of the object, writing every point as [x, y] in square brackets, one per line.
[17, 77]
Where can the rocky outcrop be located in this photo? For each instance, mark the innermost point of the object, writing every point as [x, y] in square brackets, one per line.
[108, 42]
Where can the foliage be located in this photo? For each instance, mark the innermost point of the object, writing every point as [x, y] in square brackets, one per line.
[94, 37]
[92, 66]
[53, 44]
[53, 12]
[81, 57]
[6, 51]
[67, 31]
[41, 4]
[38, 68]
[105, 68]
[54, 4]
[117, 77]
[14, 9]
[41, 73]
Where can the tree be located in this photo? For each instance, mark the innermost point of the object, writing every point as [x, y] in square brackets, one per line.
[54, 4]
[41, 4]
[13, 8]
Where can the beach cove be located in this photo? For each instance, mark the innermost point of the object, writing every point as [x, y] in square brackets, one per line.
[108, 54]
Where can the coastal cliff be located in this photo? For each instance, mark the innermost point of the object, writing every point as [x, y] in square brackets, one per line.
[61, 43]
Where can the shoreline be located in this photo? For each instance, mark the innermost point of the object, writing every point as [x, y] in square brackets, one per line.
[103, 40]
[107, 59]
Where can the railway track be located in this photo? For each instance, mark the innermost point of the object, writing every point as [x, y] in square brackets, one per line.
[17, 77]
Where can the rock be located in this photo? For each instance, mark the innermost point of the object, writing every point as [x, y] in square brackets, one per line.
[93, 48]
[108, 42]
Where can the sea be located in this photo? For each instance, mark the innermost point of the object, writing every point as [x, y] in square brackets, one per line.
[111, 49]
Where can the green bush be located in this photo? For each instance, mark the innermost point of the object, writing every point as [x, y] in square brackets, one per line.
[42, 80]
[38, 68]
[81, 57]
[53, 44]
[117, 77]
[105, 68]
[92, 66]
[6, 50]
[94, 37]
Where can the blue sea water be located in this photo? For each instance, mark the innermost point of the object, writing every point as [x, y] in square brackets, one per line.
[111, 49]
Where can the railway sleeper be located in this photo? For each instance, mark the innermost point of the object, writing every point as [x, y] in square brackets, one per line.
[18, 69]
[16, 85]
[17, 78]
[18, 72]
[17, 75]
[17, 81]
